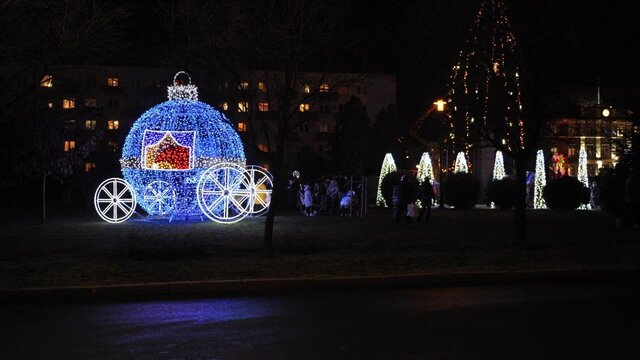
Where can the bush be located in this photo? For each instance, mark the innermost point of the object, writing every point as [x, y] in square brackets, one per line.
[611, 185]
[502, 193]
[565, 193]
[391, 179]
[461, 190]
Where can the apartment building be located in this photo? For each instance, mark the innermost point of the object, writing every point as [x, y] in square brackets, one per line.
[108, 99]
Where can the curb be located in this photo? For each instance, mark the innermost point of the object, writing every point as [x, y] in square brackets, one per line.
[254, 286]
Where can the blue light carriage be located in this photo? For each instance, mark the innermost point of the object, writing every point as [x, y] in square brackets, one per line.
[183, 158]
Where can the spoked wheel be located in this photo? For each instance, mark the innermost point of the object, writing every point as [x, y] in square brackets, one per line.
[261, 186]
[159, 198]
[224, 193]
[114, 200]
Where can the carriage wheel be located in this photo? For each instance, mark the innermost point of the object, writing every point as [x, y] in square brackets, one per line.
[159, 198]
[261, 186]
[114, 200]
[224, 193]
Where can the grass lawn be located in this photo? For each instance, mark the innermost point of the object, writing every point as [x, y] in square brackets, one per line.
[86, 251]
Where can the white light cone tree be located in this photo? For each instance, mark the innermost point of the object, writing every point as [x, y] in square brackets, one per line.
[498, 170]
[425, 168]
[583, 177]
[461, 164]
[498, 166]
[539, 183]
[388, 166]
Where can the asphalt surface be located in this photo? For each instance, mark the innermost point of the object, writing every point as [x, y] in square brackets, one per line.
[528, 321]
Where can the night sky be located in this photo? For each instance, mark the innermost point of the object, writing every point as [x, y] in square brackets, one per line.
[584, 42]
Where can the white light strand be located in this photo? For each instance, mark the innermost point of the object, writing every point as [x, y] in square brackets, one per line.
[388, 166]
[461, 164]
[498, 167]
[182, 92]
[583, 177]
[539, 183]
[425, 168]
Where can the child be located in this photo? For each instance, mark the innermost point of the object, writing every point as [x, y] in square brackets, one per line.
[345, 203]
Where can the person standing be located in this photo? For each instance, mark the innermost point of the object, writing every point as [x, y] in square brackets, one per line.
[308, 201]
[426, 199]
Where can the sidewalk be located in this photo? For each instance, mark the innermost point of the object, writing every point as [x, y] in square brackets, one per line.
[272, 286]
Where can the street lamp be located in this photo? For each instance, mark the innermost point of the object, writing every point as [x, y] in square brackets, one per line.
[440, 104]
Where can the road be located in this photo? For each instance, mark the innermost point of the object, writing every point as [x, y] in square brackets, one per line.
[526, 321]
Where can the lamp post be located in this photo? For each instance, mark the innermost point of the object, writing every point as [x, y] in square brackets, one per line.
[440, 105]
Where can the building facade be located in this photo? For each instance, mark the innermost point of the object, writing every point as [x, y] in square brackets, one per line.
[603, 129]
[108, 99]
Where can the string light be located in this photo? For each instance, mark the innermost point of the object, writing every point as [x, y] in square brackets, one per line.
[172, 144]
[461, 164]
[472, 82]
[388, 166]
[539, 183]
[583, 177]
[425, 168]
[498, 167]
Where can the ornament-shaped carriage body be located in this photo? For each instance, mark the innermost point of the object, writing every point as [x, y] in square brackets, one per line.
[183, 158]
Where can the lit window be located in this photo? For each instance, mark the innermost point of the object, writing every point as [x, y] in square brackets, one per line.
[88, 166]
[324, 128]
[112, 81]
[304, 107]
[47, 81]
[50, 105]
[262, 87]
[243, 106]
[571, 151]
[90, 124]
[69, 145]
[324, 88]
[306, 88]
[243, 86]
[225, 106]
[263, 106]
[263, 147]
[242, 126]
[90, 102]
[113, 124]
[68, 103]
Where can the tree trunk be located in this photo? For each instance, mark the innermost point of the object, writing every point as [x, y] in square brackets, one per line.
[43, 218]
[521, 201]
[275, 200]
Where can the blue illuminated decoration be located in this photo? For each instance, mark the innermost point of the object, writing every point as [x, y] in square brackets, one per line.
[170, 146]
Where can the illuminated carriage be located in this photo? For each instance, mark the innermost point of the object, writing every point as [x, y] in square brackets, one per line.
[183, 158]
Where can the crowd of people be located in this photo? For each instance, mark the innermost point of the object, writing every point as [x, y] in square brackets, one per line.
[404, 202]
[326, 196]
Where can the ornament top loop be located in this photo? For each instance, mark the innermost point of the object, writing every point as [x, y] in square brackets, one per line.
[175, 78]
[179, 91]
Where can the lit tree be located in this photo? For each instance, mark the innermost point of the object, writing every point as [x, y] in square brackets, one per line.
[425, 168]
[388, 166]
[501, 95]
[498, 166]
[582, 172]
[539, 183]
[461, 163]
[484, 88]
